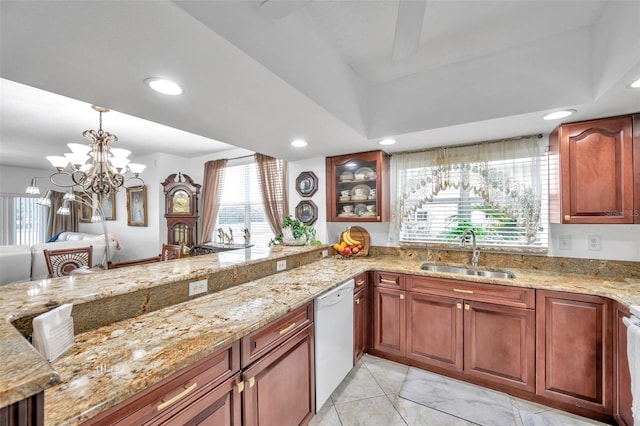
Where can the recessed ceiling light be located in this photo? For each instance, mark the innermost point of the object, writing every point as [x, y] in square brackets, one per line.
[635, 84]
[387, 141]
[559, 114]
[299, 143]
[166, 87]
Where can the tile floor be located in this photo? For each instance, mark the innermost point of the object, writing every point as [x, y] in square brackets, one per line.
[381, 392]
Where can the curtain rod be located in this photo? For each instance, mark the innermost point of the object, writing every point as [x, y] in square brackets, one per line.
[515, 138]
[242, 156]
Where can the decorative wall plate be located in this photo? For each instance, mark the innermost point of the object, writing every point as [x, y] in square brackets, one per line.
[306, 212]
[306, 184]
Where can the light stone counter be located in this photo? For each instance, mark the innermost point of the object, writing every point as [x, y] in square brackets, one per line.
[113, 362]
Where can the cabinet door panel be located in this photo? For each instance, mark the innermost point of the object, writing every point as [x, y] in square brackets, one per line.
[597, 171]
[499, 344]
[434, 330]
[279, 388]
[622, 377]
[389, 321]
[360, 322]
[574, 357]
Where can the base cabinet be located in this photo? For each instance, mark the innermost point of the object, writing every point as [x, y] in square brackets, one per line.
[389, 334]
[28, 412]
[621, 375]
[499, 344]
[279, 388]
[360, 316]
[574, 356]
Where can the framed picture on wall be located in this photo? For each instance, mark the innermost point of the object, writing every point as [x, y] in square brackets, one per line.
[306, 184]
[108, 203]
[137, 206]
[85, 207]
[306, 212]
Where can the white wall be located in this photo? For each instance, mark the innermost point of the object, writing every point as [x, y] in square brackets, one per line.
[15, 180]
[317, 166]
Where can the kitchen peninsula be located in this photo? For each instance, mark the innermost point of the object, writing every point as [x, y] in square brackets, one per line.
[136, 326]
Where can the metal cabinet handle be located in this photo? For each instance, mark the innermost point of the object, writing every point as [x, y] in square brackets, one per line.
[466, 306]
[358, 301]
[458, 290]
[287, 329]
[459, 305]
[402, 297]
[187, 390]
[359, 283]
[382, 280]
[252, 381]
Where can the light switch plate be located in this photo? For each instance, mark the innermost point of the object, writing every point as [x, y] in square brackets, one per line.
[197, 287]
[281, 265]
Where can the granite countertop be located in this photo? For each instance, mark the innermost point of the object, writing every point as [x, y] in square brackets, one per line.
[113, 362]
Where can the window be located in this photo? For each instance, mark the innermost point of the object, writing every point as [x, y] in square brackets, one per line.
[22, 220]
[241, 206]
[498, 189]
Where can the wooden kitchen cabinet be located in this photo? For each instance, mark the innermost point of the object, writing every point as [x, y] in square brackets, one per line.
[574, 351]
[592, 171]
[389, 326]
[204, 392]
[279, 388]
[28, 412]
[621, 376]
[484, 331]
[360, 316]
[499, 344]
[355, 182]
[434, 330]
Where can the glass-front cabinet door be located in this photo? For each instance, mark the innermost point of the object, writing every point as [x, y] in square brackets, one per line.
[358, 187]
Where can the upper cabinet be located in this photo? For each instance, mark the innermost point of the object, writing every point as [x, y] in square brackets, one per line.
[358, 187]
[592, 173]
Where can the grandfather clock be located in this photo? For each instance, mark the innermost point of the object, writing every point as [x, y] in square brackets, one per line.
[181, 209]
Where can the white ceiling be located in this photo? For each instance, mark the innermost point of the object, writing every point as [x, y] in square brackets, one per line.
[340, 74]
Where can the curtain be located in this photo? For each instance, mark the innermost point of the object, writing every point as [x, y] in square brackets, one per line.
[505, 174]
[272, 175]
[58, 223]
[211, 197]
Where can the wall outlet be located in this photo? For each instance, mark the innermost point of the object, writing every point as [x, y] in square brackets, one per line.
[281, 265]
[564, 242]
[197, 287]
[325, 253]
[594, 242]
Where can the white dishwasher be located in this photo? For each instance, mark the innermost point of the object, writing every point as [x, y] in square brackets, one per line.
[333, 318]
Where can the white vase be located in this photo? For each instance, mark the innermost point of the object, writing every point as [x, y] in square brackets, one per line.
[287, 238]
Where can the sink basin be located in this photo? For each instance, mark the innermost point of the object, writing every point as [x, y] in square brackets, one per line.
[434, 267]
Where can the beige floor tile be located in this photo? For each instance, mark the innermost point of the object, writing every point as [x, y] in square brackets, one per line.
[389, 375]
[358, 384]
[376, 411]
[327, 416]
[419, 415]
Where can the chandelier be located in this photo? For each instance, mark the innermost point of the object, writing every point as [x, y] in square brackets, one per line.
[97, 168]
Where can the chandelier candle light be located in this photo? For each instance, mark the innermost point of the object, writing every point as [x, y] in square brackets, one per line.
[97, 168]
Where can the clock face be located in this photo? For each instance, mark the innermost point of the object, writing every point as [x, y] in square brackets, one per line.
[181, 202]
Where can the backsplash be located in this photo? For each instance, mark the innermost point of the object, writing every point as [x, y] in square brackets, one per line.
[565, 265]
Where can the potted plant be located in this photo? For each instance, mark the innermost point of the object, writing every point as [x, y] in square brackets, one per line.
[295, 233]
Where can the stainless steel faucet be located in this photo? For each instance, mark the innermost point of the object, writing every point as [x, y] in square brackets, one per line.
[476, 251]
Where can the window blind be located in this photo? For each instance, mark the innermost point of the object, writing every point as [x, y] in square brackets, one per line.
[22, 222]
[241, 206]
[497, 189]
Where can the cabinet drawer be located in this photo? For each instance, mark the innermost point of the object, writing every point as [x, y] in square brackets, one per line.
[492, 293]
[389, 280]
[360, 281]
[263, 340]
[175, 393]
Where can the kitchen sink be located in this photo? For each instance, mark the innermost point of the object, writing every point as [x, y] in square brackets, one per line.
[435, 267]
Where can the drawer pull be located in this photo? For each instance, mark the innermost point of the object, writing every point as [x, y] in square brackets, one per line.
[382, 280]
[187, 390]
[466, 306]
[287, 329]
[359, 283]
[402, 297]
[240, 387]
[459, 290]
[252, 381]
[459, 305]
